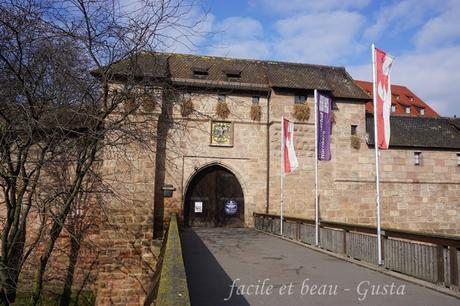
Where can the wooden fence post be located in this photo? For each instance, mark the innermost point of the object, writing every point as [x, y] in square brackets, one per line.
[453, 266]
[384, 238]
[440, 260]
[297, 236]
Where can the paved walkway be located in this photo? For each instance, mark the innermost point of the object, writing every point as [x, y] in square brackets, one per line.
[216, 258]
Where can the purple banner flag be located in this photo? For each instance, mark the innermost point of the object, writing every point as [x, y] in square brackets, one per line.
[324, 127]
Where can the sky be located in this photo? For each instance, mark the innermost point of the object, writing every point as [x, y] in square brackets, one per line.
[422, 35]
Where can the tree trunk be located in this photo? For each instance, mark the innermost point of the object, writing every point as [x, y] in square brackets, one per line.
[56, 230]
[9, 272]
[74, 252]
[7, 295]
[58, 223]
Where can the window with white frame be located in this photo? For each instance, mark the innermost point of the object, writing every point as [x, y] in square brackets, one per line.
[417, 158]
[407, 109]
[421, 111]
[393, 108]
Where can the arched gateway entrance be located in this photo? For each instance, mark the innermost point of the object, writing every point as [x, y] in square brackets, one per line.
[214, 198]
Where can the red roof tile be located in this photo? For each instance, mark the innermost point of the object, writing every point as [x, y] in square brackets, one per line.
[401, 97]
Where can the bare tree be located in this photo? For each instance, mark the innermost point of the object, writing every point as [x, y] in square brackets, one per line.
[85, 218]
[54, 110]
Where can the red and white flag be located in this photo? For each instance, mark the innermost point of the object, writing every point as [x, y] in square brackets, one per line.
[383, 64]
[290, 159]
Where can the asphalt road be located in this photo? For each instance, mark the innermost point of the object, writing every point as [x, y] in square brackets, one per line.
[228, 266]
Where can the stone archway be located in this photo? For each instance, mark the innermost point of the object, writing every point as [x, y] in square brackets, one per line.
[214, 198]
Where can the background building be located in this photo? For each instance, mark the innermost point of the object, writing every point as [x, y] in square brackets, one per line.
[403, 101]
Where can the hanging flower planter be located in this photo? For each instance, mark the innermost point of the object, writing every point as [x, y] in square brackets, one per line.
[301, 112]
[256, 112]
[186, 108]
[355, 142]
[222, 110]
[148, 104]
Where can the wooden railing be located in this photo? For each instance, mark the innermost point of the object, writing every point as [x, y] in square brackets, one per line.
[433, 258]
[170, 281]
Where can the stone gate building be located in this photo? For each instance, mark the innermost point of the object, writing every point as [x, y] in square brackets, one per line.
[415, 195]
[218, 152]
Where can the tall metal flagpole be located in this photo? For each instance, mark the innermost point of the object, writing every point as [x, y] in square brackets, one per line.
[377, 171]
[316, 172]
[282, 176]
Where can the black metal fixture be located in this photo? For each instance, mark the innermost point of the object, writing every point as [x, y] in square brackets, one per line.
[168, 190]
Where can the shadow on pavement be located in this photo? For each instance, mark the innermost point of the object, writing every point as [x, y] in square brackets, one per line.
[208, 283]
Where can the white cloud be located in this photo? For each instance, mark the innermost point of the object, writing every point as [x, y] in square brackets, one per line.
[301, 39]
[303, 6]
[188, 31]
[318, 38]
[240, 27]
[401, 16]
[433, 76]
[327, 36]
[249, 49]
[361, 72]
[441, 30]
[239, 37]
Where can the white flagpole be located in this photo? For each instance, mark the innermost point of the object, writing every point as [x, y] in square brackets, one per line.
[316, 171]
[282, 175]
[377, 171]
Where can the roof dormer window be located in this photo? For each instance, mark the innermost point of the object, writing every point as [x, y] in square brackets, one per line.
[233, 75]
[421, 111]
[411, 98]
[200, 73]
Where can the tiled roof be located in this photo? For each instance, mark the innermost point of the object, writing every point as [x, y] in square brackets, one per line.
[455, 122]
[419, 132]
[182, 66]
[254, 74]
[401, 97]
[142, 65]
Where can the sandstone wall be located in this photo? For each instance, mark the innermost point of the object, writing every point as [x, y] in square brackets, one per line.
[127, 251]
[136, 174]
[422, 198]
[189, 149]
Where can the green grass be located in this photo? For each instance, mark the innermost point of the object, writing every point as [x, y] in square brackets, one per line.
[50, 297]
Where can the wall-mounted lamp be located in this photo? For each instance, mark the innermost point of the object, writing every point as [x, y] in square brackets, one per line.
[168, 190]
